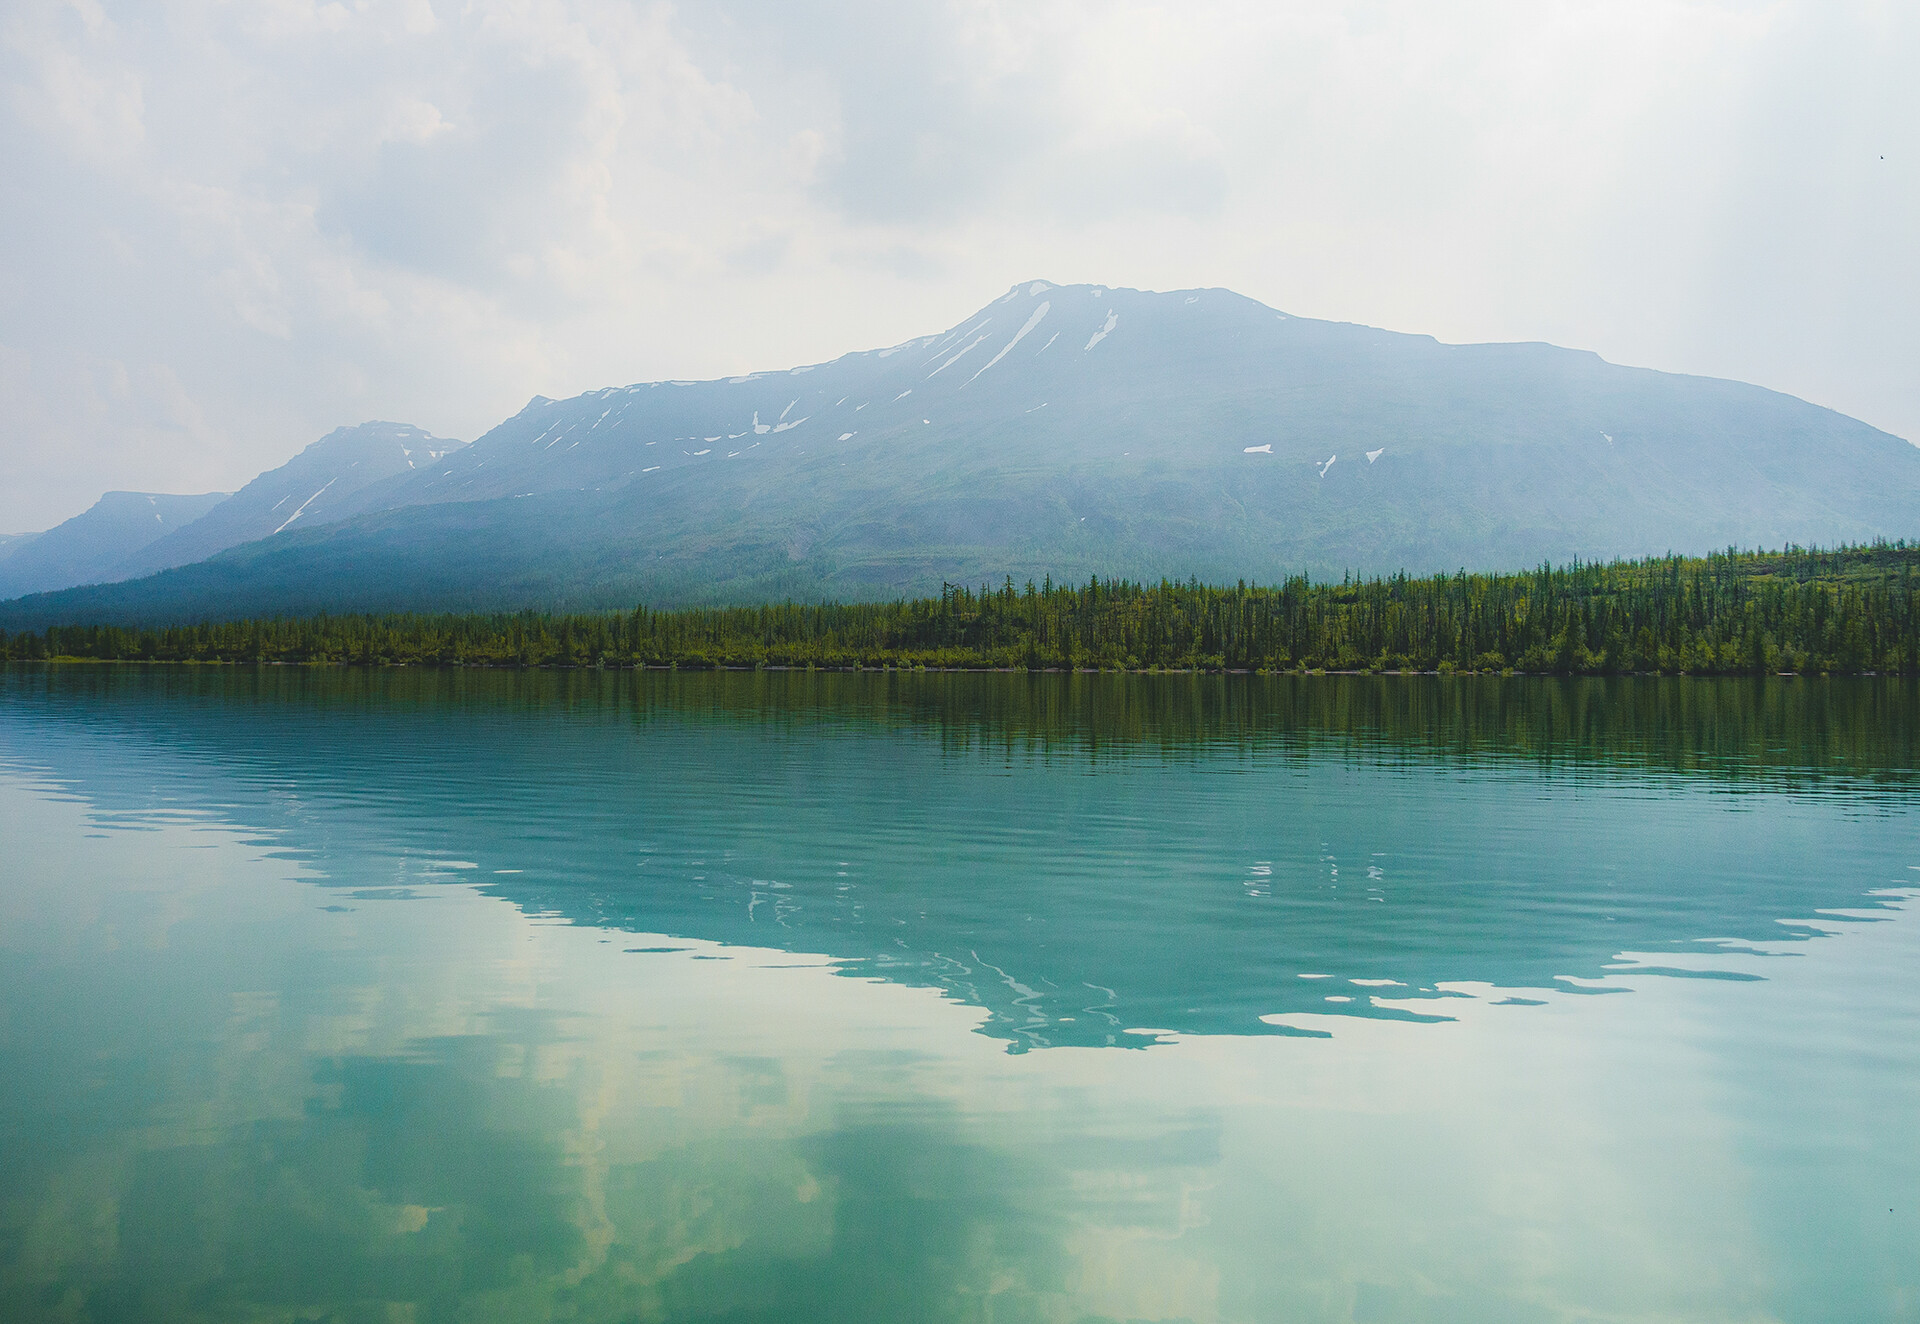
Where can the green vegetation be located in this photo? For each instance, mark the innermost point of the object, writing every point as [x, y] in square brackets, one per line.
[1849, 611]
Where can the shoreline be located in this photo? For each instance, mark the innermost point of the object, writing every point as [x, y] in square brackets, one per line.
[1506, 673]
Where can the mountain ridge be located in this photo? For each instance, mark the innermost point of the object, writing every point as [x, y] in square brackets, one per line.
[90, 547]
[1070, 430]
[345, 463]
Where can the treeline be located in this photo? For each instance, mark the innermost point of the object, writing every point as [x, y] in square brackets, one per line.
[1851, 610]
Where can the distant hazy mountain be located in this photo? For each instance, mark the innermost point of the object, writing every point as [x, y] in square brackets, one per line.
[88, 548]
[1068, 431]
[334, 477]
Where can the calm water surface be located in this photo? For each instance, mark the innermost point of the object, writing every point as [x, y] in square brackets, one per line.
[412, 996]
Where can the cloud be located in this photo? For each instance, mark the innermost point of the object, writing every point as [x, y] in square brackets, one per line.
[143, 418]
[310, 213]
[940, 111]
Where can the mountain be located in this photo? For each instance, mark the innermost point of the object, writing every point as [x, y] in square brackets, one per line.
[337, 476]
[1070, 430]
[88, 548]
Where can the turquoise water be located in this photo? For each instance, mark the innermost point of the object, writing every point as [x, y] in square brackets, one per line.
[528, 996]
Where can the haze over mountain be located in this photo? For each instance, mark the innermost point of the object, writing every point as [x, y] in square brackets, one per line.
[337, 476]
[1065, 431]
[90, 547]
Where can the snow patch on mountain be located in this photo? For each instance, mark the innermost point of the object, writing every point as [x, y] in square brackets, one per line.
[302, 508]
[957, 357]
[1018, 336]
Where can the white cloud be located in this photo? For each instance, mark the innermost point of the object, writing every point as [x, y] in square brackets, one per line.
[312, 213]
[410, 120]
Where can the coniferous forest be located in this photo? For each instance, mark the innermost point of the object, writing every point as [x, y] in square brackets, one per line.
[1851, 610]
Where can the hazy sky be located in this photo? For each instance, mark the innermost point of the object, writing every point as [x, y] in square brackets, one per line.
[227, 227]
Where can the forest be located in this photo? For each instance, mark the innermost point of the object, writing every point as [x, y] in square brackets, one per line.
[1845, 611]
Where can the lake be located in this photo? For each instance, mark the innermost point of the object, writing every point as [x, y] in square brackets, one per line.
[406, 995]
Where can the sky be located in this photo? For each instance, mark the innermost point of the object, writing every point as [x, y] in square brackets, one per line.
[228, 227]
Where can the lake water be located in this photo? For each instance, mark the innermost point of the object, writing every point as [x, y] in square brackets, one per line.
[493, 996]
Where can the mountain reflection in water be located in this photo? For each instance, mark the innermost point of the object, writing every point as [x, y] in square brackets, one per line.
[429, 996]
[1082, 856]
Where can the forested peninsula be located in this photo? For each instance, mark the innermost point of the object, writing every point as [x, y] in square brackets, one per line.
[1850, 610]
